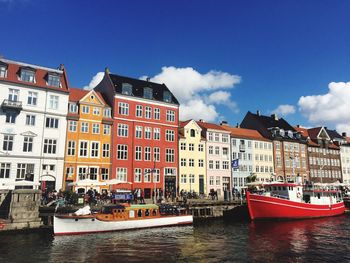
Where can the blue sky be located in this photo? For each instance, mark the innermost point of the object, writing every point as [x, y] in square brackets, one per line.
[265, 53]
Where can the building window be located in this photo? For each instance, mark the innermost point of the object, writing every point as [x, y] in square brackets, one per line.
[191, 179]
[156, 175]
[27, 75]
[225, 151]
[83, 149]
[93, 173]
[218, 180]
[71, 148]
[148, 132]
[193, 133]
[225, 165]
[105, 150]
[191, 146]
[53, 102]
[82, 172]
[11, 117]
[5, 170]
[138, 153]
[170, 116]
[137, 175]
[85, 109]
[169, 155]
[69, 172]
[148, 93]
[30, 120]
[50, 146]
[106, 129]
[25, 171]
[138, 132]
[73, 108]
[51, 122]
[95, 148]
[122, 174]
[147, 153]
[13, 95]
[183, 178]
[225, 138]
[95, 128]
[96, 111]
[191, 162]
[122, 152]
[156, 154]
[139, 111]
[170, 135]
[210, 136]
[7, 143]
[169, 171]
[107, 113]
[201, 163]
[156, 114]
[147, 175]
[148, 112]
[126, 89]
[104, 173]
[217, 165]
[211, 180]
[3, 71]
[32, 98]
[53, 80]
[28, 144]
[217, 137]
[72, 126]
[167, 96]
[123, 108]
[123, 130]
[211, 150]
[85, 127]
[156, 133]
[183, 146]
[183, 162]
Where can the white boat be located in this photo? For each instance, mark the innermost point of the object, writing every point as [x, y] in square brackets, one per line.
[119, 217]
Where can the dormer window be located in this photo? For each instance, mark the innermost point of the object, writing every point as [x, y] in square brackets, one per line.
[3, 71]
[167, 96]
[27, 75]
[290, 134]
[148, 93]
[282, 132]
[53, 80]
[126, 89]
[73, 108]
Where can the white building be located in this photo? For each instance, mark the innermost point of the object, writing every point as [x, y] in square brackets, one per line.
[33, 111]
[345, 159]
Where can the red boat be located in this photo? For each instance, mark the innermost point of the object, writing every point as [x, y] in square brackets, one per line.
[278, 200]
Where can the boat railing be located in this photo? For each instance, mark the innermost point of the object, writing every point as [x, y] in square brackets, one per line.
[281, 196]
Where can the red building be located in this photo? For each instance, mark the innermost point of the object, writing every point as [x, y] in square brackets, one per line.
[145, 140]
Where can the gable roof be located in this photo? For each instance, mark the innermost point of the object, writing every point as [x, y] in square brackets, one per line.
[138, 88]
[244, 133]
[41, 75]
[210, 126]
[76, 94]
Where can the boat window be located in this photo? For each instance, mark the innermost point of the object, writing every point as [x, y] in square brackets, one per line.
[147, 212]
[284, 188]
[279, 188]
[131, 214]
[139, 213]
[274, 188]
[154, 212]
[318, 195]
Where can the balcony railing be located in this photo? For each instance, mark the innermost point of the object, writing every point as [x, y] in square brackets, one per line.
[10, 104]
[242, 148]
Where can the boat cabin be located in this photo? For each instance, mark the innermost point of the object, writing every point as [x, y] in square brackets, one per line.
[128, 212]
[288, 191]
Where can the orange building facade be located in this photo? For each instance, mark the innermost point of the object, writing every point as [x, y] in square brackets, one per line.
[89, 141]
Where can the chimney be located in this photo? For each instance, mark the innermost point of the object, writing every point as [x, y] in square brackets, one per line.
[224, 123]
[258, 112]
[147, 79]
[201, 120]
[107, 70]
[344, 134]
[61, 67]
[237, 125]
[298, 126]
[274, 116]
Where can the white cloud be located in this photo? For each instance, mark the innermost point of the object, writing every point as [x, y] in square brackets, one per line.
[329, 109]
[94, 81]
[284, 110]
[197, 93]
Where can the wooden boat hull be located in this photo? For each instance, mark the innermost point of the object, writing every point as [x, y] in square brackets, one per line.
[267, 207]
[65, 225]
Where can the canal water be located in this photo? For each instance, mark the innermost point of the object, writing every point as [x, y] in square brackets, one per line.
[321, 240]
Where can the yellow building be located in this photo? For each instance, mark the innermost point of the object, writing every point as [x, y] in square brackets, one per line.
[192, 158]
[89, 141]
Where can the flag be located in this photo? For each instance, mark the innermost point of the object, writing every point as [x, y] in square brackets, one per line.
[235, 163]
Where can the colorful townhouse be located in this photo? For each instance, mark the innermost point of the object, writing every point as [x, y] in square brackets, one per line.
[192, 158]
[252, 155]
[323, 153]
[289, 145]
[345, 159]
[33, 123]
[145, 134]
[89, 141]
[218, 158]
